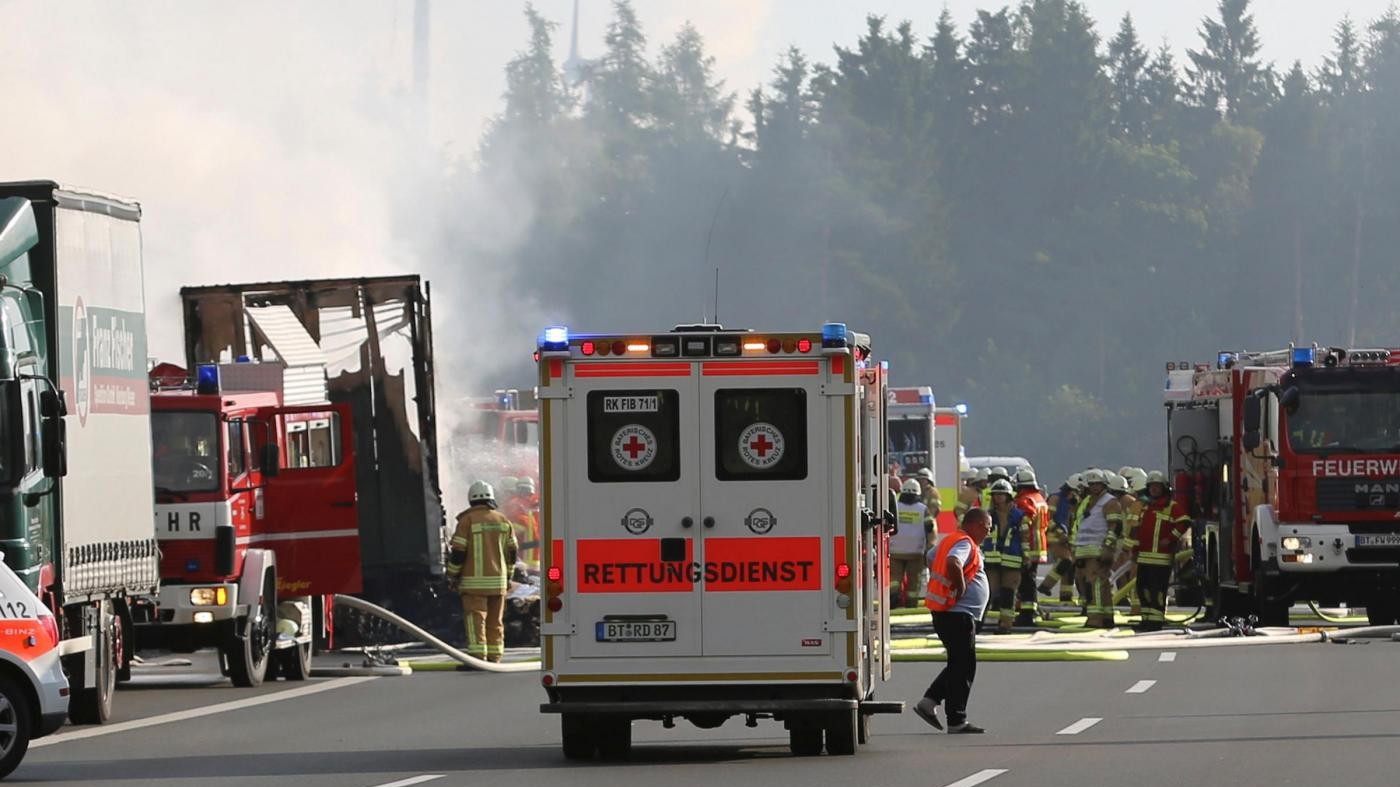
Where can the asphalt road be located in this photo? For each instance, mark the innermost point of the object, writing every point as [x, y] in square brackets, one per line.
[1277, 715]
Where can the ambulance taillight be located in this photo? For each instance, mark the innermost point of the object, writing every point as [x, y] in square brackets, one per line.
[554, 587]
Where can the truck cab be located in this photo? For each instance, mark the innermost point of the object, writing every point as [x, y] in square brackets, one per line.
[713, 508]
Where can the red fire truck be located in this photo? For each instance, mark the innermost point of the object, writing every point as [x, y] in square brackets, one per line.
[1290, 461]
[256, 516]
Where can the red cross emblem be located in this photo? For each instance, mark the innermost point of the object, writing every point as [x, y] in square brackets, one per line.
[762, 446]
[634, 447]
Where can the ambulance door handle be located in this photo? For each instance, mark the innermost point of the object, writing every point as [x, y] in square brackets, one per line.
[687, 522]
[708, 521]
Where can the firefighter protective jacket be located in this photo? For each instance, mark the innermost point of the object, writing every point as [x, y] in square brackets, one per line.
[1032, 504]
[1160, 529]
[1011, 534]
[482, 552]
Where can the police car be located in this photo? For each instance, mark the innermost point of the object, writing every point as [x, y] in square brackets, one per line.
[33, 689]
[712, 501]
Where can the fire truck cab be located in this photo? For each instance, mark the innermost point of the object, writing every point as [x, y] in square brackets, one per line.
[256, 516]
[714, 506]
[1290, 462]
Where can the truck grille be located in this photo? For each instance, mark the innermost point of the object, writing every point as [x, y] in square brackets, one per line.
[1357, 494]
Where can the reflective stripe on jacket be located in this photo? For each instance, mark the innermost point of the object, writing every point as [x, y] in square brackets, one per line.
[910, 538]
[484, 548]
[1159, 532]
[939, 597]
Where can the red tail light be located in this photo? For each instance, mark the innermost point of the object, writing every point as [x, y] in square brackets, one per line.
[843, 570]
[619, 347]
[50, 627]
[587, 348]
[804, 345]
[556, 604]
[774, 345]
[554, 574]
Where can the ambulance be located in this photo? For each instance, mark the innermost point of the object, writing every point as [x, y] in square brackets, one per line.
[714, 503]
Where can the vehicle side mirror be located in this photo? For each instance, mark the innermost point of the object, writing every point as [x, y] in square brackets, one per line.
[1249, 437]
[55, 434]
[271, 461]
[1289, 398]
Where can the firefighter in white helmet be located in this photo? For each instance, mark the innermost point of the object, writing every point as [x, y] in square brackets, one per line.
[970, 496]
[1095, 544]
[1035, 531]
[1121, 487]
[1163, 525]
[929, 491]
[912, 538]
[1008, 537]
[482, 554]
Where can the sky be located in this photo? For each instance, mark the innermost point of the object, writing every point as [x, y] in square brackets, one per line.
[274, 140]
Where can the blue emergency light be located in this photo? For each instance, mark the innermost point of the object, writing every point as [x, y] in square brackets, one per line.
[834, 335]
[925, 398]
[554, 339]
[961, 408]
[206, 382]
[1303, 356]
[1224, 360]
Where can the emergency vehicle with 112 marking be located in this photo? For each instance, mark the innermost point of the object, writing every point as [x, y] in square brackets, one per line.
[713, 505]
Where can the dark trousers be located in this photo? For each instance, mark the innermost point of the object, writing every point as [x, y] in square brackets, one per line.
[958, 633]
[1152, 583]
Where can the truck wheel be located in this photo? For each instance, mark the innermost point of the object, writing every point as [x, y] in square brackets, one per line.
[842, 732]
[863, 732]
[294, 663]
[94, 705]
[126, 646]
[614, 738]
[1271, 611]
[577, 734]
[15, 719]
[249, 651]
[805, 742]
[1381, 608]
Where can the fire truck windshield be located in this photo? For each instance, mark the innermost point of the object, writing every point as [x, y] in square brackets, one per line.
[1345, 421]
[185, 455]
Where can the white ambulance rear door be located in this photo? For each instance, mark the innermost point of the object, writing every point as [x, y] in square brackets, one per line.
[768, 487]
[631, 509]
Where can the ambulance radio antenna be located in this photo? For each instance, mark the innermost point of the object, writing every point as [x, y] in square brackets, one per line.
[709, 237]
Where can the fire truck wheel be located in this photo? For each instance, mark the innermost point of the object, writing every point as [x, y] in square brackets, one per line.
[577, 734]
[294, 663]
[842, 732]
[614, 738]
[1271, 611]
[94, 705]
[1381, 608]
[15, 720]
[249, 651]
[805, 742]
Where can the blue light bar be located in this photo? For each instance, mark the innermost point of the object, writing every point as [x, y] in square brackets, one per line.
[961, 407]
[834, 335]
[207, 380]
[1303, 356]
[1224, 360]
[554, 338]
[925, 398]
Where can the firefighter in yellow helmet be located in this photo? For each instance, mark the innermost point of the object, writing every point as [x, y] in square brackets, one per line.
[970, 496]
[482, 554]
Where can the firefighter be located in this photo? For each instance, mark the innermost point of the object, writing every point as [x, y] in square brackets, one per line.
[1062, 505]
[1159, 534]
[523, 512]
[1008, 545]
[1031, 503]
[929, 491]
[970, 496]
[909, 544]
[994, 475]
[1134, 503]
[1100, 527]
[1122, 567]
[483, 552]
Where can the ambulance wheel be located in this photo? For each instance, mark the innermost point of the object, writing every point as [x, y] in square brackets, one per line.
[863, 732]
[614, 738]
[842, 731]
[577, 734]
[249, 651]
[15, 720]
[805, 742]
[94, 705]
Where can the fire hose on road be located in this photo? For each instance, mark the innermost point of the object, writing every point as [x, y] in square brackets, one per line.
[428, 639]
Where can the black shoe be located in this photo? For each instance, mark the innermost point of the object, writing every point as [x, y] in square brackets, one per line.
[927, 710]
[966, 728]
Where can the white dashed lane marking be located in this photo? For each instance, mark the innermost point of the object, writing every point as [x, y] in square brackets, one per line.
[978, 777]
[1141, 687]
[1167, 656]
[427, 777]
[1080, 726]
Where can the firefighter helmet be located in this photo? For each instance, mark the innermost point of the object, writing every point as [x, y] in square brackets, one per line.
[1157, 477]
[983, 475]
[1137, 479]
[1001, 487]
[926, 474]
[481, 492]
[508, 482]
[1026, 477]
[1117, 484]
[968, 474]
[998, 472]
[525, 485]
[911, 487]
[1095, 476]
[1075, 481]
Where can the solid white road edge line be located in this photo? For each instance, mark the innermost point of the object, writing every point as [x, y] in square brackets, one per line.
[1080, 726]
[427, 777]
[1141, 687]
[979, 777]
[1167, 656]
[194, 713]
